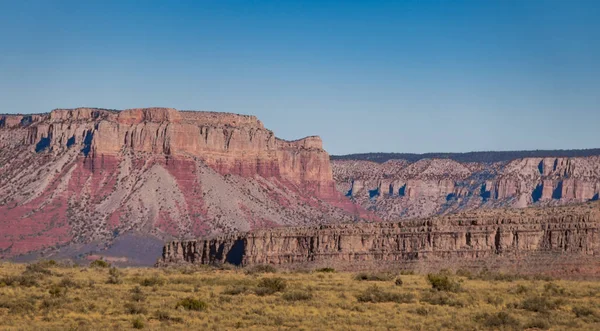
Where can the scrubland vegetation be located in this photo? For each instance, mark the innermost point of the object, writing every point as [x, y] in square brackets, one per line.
[47, 295]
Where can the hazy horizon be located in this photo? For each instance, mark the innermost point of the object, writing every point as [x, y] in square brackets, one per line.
[386, 77]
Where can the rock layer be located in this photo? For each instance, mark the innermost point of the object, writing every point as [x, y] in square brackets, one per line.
[75, 176]
[398, 189]
[527, 239]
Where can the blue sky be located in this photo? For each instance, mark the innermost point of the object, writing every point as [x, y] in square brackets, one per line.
[367, 76]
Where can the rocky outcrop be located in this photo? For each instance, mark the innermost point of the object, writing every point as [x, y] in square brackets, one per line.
[89, 175]
[399, 189]
[496, 239]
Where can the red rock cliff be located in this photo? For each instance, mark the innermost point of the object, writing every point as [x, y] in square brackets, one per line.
[86, 174]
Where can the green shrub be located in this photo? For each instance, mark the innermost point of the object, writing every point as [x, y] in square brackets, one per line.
[297, 295]
[495, 300]
[68, 282]
[152, 281]
[521, 289]
[499, 320]
[137, 294]
[443, 282]
[165, 316]
[100, 264]
[375, 294]
[235, 290]
[586, 313]
[327, 269]
[260, 269]
[138, 323]
[497, 276]
[423, 311]
[540, 304]
[538, 324]
[114, 276]
[268, 286]
[442, 299]
[25, 280]
[191, 304]
[57, 291]
[553, 289]
[464, 273]
[377, 277]
[19, 306]
[135, 308]
[39, 268]
[545, 278]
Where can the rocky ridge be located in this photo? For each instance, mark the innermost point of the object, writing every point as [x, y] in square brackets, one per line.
[557, 240]
[398, 189]
[76, 177]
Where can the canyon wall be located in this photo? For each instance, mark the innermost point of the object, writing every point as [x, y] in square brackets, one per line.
[77, 176]
[399, 189]
[550, 240]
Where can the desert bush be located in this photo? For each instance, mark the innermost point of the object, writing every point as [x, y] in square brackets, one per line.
[25, 280]
[52, 303]
[191, 304]
[260, 269]
[537, 324]
[587, 314]
[375, 294]
[297, 295]
[540, 304]
[152, 281]
[407, 272]
[327, 269]
[165, 316]
[520, 289]
[272, 285]
[581, 311]
[423, 311]
[464, 273]
[499, 320]
[19, 306]
[442, 299]
[114, 276]
[100, 264]
[495, 300]
[38, 268]
[135, 308]
[235, 290]
[137, 294]
[380, 276]
[68, 282]
[138, 323]
[542, 277]
[443, 282]
[57, 291]
[553, 289]
[488, 275]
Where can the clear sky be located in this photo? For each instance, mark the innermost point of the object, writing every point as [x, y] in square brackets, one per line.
[367, 76]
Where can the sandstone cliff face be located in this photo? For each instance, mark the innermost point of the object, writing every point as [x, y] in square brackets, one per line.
[398, 189]
[528, 239]
[90, 175]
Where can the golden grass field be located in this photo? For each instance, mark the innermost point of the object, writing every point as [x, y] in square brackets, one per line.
[46, 296]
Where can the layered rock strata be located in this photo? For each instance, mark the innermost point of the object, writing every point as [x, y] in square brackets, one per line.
[529, 239]
[398, 189]
[74, 176]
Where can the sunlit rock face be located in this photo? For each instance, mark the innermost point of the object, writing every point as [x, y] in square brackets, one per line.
[563, 241]
[398, 189]
[77, 176]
